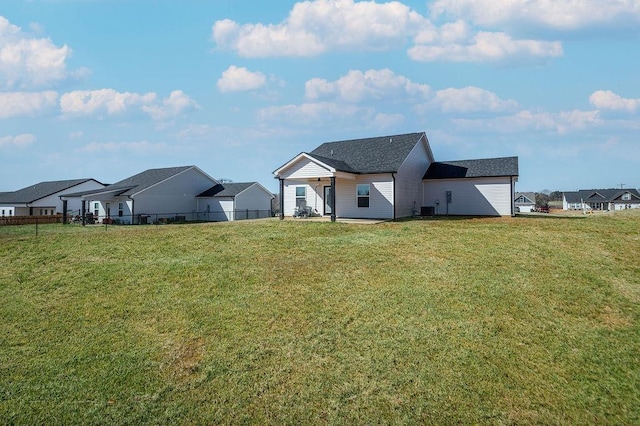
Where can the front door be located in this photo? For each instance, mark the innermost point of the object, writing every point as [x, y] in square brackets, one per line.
[327, 200]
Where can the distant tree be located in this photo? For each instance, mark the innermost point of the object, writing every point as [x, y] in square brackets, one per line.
[555, 196]
[542, 199]
[225, 180]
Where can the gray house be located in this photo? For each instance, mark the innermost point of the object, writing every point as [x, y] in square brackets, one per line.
[161, 193]
[390, 177]
[43, 199]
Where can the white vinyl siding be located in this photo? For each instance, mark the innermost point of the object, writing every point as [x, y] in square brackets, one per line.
[470, 197]
[380, 197]
[304, 169]
[254, 198]
[290, 199]
[173, 196]
[409, 181]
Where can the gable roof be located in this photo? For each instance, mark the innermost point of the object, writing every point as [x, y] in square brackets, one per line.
[233, 189]
[383, 154]
[146, 179]
[486, 167]
[599, 195]
[40, 190]
[137, 183]
[531, 196]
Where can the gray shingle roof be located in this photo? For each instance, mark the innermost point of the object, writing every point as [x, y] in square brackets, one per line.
[382, 154]
[211, 191]
[144, 180]
[531, 196]
[40, 190]
[486, 167]
[599, 195]
[233, 189]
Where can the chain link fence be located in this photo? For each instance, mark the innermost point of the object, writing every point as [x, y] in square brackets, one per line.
[77, 218]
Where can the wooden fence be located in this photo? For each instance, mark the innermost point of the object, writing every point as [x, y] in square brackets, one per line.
[29, 220]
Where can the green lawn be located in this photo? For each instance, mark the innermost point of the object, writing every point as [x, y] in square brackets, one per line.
[492, 321]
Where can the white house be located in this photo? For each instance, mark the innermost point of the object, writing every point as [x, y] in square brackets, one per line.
[43, 199]
[525, 202]
[235, 201]
[601, 199]
[151, 195]
[388, 177]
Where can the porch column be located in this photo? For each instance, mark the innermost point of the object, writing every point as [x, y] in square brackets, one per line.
[84, 212]
[64, 212]
[281, 199]
[333, 198]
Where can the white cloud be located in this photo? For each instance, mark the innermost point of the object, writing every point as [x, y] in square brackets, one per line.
[526, 121]
[316, 114]
[605, 99]
[554, 14]
[313, 28]
[240, 79]
[174, 105]
[112, 102]
[29, 62]
[387, 121]
[13, 104]
[371, 85]
[117, 147]
[109, 101]
[19, 141]
[484, 47]
[470, 99]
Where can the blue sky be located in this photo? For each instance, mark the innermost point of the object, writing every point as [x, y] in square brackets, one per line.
[109, 88]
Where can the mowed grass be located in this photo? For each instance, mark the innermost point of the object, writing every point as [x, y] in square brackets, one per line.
[491, 321]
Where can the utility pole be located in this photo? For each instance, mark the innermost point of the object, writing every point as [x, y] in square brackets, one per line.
[622, 185]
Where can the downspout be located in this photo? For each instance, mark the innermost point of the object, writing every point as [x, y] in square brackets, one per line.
[281, 199]
[393, 176]
[513, 193]
[333, 198]
[64, 212]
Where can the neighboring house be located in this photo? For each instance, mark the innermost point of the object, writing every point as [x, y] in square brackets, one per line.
[483, 187]
[382, 178]
[163, 193]
[43, 199]
[235, 201]
[525, 202]
[601, 199]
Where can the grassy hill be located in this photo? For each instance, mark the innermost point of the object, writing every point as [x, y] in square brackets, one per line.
[513, 320]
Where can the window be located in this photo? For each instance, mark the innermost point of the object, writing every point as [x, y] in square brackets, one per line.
[626, 196]
[362, 191]
[2, 212]
[96, 209]
[120, 209]
[301, 196]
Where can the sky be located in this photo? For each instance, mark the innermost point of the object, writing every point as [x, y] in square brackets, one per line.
[106, 89]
